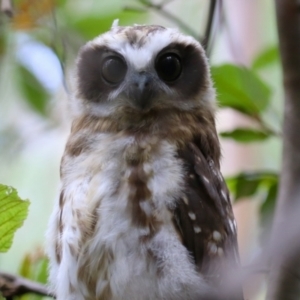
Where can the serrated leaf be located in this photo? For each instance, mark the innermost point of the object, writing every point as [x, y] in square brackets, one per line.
[34, 92]
[241, 89]
[13, 212]
[266, 58]
[246, 184]
[245, 135]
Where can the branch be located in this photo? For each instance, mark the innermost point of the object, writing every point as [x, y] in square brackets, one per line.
[284, 275]
[211, 13]
[160, 9]
[11, 285]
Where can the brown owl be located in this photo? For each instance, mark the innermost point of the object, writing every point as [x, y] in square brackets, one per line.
[143, 212]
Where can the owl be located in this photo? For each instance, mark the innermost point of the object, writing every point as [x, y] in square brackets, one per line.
[144, 212]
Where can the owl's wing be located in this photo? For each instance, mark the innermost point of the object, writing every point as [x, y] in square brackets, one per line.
[203, 216]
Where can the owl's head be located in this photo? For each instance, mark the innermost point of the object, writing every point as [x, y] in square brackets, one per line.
[139, 69]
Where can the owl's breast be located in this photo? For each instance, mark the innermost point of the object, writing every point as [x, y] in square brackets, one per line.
[125, 187]
[146, 177]
[128, 190]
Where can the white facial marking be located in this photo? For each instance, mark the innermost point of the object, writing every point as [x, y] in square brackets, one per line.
[192, 216]
[192, 176]
[217, 236]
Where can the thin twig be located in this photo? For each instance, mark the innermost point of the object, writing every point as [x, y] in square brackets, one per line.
[159, 9]
[11, 285]
[54, 48]
[208, 29]
[265, 126]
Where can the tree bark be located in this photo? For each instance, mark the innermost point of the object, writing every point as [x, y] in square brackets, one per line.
[284, 276]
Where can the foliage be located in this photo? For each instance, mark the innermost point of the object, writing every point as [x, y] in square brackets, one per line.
[34, 267]
[33, 91]
[241, 89]
[244, 90]
[58, 26]
[245, 135]
[13, 212]
[261, 183]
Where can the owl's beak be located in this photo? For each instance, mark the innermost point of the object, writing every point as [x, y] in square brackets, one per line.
[141, 91]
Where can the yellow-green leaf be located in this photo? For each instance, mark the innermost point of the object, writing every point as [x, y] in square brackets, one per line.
[245, 135]
[266, 58]
[13, 212]
[34, 92]
[241, 89]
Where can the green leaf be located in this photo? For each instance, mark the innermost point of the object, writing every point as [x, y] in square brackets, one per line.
[247, 184]
[60, 3]
[268, 206]
[25, 267]
[266, 58]
[266, 212]
[34, 266]
[241, 89]
[13, 212]
[42, 271]
[91, 26]
[245, 135]
[2, 41]
[34, 92]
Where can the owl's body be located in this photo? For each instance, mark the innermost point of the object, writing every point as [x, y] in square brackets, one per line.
[143, 212]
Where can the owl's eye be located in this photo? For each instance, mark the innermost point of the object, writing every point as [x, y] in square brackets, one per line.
[114, 69]
[168, 67]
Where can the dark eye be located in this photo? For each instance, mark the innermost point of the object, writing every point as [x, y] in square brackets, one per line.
[114, 69]
[168, 67]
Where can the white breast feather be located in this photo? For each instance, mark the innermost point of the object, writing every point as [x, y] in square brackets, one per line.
[97, 180]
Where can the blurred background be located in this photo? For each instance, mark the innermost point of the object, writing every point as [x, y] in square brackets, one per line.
[39, 41]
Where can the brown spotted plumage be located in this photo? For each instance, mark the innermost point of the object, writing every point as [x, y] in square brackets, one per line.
[144, 212]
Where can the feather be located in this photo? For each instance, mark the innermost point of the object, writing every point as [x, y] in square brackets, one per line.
[203, 216]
